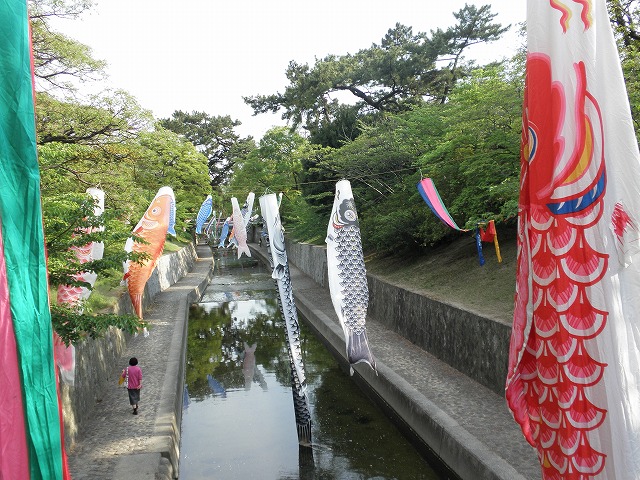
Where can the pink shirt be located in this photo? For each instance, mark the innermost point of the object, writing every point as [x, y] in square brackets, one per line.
[135, 377]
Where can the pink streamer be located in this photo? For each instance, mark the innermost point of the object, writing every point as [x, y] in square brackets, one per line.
[14, 459]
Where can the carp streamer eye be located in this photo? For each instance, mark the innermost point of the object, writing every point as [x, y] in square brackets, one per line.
[156, 210]
[347, 212]
[351, 215]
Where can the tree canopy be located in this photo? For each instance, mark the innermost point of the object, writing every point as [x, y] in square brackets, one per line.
[60, 62]
[625, 18]
[407, 107]
[404, 70]
[214, 137]
[106, 140]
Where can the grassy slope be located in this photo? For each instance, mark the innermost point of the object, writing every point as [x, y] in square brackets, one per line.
[451, 273]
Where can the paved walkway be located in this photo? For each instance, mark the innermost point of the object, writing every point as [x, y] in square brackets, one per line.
[464, 422]
[115, 444]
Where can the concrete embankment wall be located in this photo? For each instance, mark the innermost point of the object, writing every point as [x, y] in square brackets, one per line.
[96, 359]
[473, 345]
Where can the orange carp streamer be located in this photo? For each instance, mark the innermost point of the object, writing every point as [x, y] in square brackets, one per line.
[158, 220]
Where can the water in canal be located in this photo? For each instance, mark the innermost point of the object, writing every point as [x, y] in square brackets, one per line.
[238, 419]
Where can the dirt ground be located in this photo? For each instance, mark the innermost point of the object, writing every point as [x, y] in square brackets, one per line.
[452, 274]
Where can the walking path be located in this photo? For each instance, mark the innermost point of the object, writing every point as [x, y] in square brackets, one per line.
[464, 423]
[118, 445]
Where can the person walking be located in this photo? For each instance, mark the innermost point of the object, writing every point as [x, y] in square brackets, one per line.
[133, 380]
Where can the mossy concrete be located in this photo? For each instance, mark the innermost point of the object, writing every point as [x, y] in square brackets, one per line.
[474, 345]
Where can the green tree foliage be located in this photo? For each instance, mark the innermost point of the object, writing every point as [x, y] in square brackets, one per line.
[85, 145]
[474, 26]
[625, 15]
[381, 166]
[104, 120]
[469, 146]
[116, 146]
[631, 72]
[476, 165]
[399, 73]
[214, 137]
[69, 221]
[60, 61]
[156, 158]
[163, 158]
[106, 140]
[274, 164]
[625, 19]
[343, 126]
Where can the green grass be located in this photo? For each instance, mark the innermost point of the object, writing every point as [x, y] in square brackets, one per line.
[105, 294]
[173, 245]
[452, 274]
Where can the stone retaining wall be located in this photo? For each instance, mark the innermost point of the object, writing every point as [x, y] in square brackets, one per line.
[311, 259]
[474, 345]
[96, 360]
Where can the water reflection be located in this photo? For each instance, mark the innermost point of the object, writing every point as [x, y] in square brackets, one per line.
[216, 387]
[240, 418]
[249, 370]
[219, 358]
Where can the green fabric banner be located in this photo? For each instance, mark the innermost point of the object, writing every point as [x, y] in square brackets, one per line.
[23, 236]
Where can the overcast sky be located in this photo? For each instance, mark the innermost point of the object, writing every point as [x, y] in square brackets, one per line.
[206, 55]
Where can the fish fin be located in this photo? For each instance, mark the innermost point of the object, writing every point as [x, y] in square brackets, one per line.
[244, 250]
[329, 239]
[128, 245]
[136, 302]
[278, 272]
[172, 231]
[358, 350]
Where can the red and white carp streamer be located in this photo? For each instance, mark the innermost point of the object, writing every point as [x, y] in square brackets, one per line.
[573, 382]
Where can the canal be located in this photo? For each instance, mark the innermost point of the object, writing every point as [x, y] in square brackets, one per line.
[238, 418]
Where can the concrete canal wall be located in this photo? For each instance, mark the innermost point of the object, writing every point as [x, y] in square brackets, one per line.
[96, 359]
[473, 345]
[452, 418]
[455, 415]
